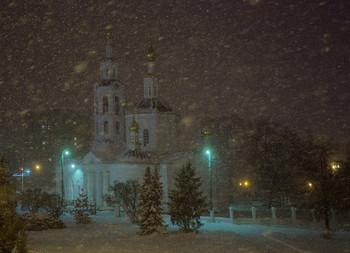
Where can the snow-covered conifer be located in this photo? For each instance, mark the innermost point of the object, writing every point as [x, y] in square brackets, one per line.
[151, 200]
[186, 201]
[81, 211]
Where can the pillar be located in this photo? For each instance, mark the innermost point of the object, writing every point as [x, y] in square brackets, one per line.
[253, 213]
[273, 211]
[106, 183]
[92, 186]
[99, 188]
[117, 210]
[85, 182]
[211, 215]
[294, 213]
[231, 213]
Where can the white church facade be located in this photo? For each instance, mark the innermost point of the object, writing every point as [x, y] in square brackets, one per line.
[125, 143]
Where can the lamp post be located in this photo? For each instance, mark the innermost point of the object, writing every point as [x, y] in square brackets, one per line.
[210, 188]
[22, 177]
[64, 152]
[26, 173]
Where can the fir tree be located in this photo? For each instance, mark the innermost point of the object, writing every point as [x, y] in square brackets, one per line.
[12, 234]
[150, 210]
[81, 211]
[186, 201]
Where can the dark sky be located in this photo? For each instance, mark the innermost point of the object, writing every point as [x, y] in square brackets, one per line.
[289, 60]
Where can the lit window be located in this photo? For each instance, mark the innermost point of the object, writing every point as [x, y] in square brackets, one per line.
[105, 127]
[105, 105]
[145, 137]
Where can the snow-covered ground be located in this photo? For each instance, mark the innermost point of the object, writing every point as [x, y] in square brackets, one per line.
[108, 233]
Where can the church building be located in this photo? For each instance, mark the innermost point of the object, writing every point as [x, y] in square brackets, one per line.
[125, 143]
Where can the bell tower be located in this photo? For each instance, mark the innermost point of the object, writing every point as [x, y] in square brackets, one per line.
[150, 82]
[108, 106]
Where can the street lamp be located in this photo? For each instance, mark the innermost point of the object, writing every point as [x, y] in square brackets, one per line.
[22, 175]
[64, 153]
[210, 187]
[26, 173]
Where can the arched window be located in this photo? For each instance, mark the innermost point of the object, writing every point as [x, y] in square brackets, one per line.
[145, 137]
[105, 127]
[105, 105]
[116, 105]
[117, 127]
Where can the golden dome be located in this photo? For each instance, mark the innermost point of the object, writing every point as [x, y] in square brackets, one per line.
[151, 55]
[134, 127]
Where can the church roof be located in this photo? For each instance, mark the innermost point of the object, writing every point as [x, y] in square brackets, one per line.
[137, 156]
[152, 105]
[169, 158]
[105, 156]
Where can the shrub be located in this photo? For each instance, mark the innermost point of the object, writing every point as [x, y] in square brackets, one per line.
[127, 196]
[53, 204]
[39, 222]
[31, 200]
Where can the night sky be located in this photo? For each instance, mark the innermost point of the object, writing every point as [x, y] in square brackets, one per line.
[289, 60]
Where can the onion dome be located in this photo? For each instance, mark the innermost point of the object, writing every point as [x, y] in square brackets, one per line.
[207, 132]
[151, 55]
[109, 36]
[134, 127]
[207, 129]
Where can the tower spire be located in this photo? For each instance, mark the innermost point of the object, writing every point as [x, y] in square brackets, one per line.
[150, 82]
[108, 67]
[151, 57]
[109, 35]
[109, 48]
